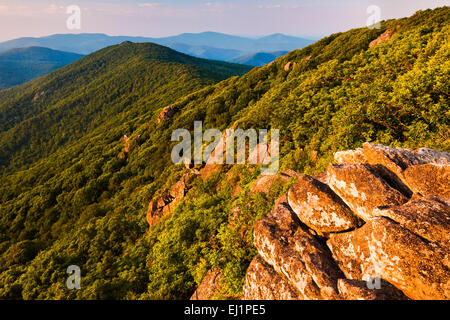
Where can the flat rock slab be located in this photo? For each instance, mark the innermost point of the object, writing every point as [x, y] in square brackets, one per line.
[426, 217]
[362, 189]
[319, 207]
[429, 179]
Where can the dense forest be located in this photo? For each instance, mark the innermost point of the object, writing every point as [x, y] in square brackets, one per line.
[68, 197]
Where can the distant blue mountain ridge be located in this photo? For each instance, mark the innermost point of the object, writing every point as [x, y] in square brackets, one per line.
[24, 59]
[208, 45]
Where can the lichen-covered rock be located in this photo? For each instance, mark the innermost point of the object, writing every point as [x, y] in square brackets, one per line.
[429, 179]
[352, 253]
[262, 282]
[362, 189]
[350, 157]
[209, 287]
[291, 250]
[402, 250]
[419, 268]
[319, 207]
[397, 160]
[383, 248]
[434, 156]
[426, 217]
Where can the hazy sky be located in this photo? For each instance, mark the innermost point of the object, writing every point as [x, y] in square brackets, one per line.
[310, 18]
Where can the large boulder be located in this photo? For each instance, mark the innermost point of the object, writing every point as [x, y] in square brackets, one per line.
[429, 179]
[362, 188]
[419, 268]
[294, 252]
[319, 207]
[210, 286]
[350, 157]
[398, 160]
[262, 282]
[385, 249]
[429, 218]
[352, 253]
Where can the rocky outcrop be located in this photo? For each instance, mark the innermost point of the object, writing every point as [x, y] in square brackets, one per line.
[128, 145]
[384, 37]
[209, 287]
[428, 179]
[264, 283]
[265, 183]
[166, 113]
[362, 188]
[159, 207]
[288, 66]
[285, 244]
[319, 207]
[313, 245]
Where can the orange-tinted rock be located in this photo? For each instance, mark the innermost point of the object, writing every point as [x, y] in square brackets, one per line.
[265, 182]
[209, 169]
[403, 247]
[319, 207]
[288, 66]
[429, 179]
[385, 37]
[160, 207]
[322, 177]
[362, 189]
[262, 282]
[428, 218]
[350, 157]
[352, 253]
[359, 290]
[291, 250]
[209, 287]
[397, 160]
[420, 269]
[166, 113]
[178, 190]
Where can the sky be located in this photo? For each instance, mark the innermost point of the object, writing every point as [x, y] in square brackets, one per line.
[157, 18]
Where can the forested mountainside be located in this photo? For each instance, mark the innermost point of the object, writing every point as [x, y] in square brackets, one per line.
[73, 191]
[109, 87]
[18, 66]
